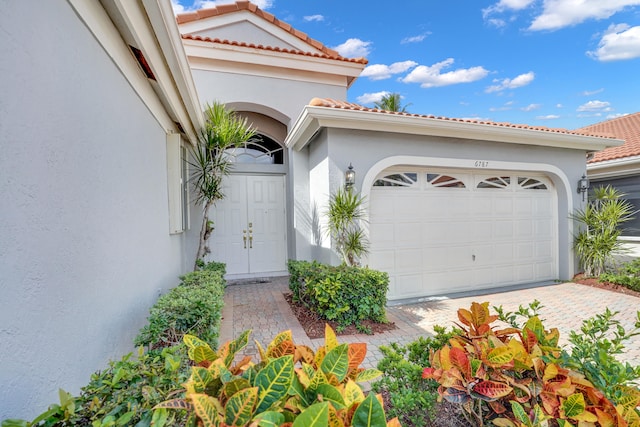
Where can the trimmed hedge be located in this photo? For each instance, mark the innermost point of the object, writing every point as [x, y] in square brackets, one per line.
[194, 307]
[346, 295]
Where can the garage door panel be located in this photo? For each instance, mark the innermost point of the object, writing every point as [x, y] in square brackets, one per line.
[434, 239]
[383, 260]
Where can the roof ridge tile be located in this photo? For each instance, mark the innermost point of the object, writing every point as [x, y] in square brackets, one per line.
[240, 5]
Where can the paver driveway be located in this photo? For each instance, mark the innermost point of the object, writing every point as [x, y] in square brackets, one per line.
[262, 308]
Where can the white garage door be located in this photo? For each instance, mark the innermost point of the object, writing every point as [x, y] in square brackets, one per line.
[439, 231]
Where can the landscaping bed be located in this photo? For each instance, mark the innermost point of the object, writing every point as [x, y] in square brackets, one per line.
[596, 283]
[314, 325]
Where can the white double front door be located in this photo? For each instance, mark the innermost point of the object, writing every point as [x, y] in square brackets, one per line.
[249, 225]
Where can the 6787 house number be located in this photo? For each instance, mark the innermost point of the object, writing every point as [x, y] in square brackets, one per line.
[481, 164]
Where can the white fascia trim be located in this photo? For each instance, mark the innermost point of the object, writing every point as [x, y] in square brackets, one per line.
[313, 119]
[166, 28]
[616, 167]
[99, 23]
[138, 23]
[245, 15]
[255, 57]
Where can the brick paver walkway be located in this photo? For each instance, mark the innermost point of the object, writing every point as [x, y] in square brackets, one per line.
[262, 308]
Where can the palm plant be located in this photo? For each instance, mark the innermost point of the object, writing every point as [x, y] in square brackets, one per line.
[210, 161]
[600, 221]
[391, 102]
[344, 213]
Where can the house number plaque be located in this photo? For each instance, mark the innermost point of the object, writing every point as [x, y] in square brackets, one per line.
[481, 164]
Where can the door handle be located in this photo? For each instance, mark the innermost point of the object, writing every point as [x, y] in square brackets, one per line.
[250, 235]
[244, 238]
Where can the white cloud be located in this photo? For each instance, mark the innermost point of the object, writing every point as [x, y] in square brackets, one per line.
[619, 42]
[593, 106]
[504, 5]
[531, 107]
[506, 107]
[516, 82]
[414, 39]
[206, 4]
[559, 106]
[548, 117]
[592, 92]
[557, 14]
[432, 76]
[314, 18]
[381, 71]
[354, 48]
[370, 98]
[615, 116]
[501, 7]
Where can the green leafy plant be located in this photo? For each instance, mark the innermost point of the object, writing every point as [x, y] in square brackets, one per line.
[411, 400]
[194, 306]
[290, 384]
[628, 275]
[56, 415]
[391, 102]
[593, 351]
[510, 377]
[600, 223]
[344, 214]
[346, 295]
[210, 161]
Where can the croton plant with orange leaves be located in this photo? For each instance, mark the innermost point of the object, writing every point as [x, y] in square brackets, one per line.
[511, 377]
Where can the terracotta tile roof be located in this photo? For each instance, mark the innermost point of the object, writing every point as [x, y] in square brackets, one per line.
[248, 6]
[273, 49]
[625, 127]
[332, 103]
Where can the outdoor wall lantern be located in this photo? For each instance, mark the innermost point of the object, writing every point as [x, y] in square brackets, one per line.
[349, 177]
[583, 185]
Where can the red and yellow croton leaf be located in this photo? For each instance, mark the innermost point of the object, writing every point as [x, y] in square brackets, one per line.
[357, 352]
[460, 360]
[490, 390]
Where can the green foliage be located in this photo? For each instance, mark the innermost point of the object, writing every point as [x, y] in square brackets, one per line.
[56, 415]
[346, 295]
[628, 275]
[391, 102]
[194, 306]
[593, 351]
[511, 377]
[125, 393]
[290, 384]
[600, 228]
[411, 399]
[220, 267]
[344, 214]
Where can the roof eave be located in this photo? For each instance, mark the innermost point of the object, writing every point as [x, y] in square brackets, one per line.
[313, 118]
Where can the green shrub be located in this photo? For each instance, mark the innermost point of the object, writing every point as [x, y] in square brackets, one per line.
[290, 385]
[212, 265]
[346, 295]
[628, 275]
[593, 352]
[411, 399]
[126, 392]
[194, 306]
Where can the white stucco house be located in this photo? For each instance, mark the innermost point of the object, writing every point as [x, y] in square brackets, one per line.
[98, 104]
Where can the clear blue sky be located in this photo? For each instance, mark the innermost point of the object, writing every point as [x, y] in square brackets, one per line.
[555, 63]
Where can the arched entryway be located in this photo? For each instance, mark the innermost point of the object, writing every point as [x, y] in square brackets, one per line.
[250, 221]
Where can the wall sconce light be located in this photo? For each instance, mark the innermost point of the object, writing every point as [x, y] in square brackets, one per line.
[583, 185]
[349, 177]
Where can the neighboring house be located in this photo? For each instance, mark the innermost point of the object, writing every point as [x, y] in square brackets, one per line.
[98, 103]
[620, 167]
[454, 205]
